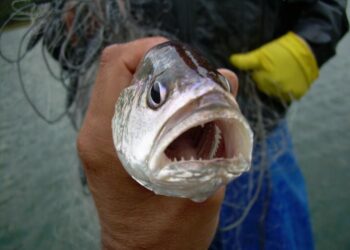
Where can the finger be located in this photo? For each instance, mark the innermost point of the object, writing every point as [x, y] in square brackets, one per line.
[246, 61]
[232, 79]
[269, 85]
[265, 82]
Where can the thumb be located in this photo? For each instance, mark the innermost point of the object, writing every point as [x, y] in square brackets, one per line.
[232, 78]
[246, 61]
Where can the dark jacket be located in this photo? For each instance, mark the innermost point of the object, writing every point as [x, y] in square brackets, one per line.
[217, 28]
[221, 28]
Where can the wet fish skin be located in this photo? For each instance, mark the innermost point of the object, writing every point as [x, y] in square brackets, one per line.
[195, 94]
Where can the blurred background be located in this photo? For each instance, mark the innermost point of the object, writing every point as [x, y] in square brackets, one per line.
[44, 206]
[320, 125]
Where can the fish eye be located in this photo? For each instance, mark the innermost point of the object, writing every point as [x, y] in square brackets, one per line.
[225, 83]
[156, 95]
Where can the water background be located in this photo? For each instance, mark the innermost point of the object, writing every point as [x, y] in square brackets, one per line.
[42, 203]
[320, 125]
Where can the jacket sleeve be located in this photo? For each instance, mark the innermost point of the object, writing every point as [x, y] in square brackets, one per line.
[322, 24]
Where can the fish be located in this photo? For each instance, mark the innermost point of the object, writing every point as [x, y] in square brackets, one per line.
[177, 129]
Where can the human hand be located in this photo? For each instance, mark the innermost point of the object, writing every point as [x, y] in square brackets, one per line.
[130, 215]
[284, 68]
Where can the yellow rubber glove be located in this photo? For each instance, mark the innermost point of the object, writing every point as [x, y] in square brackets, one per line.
[284, 68]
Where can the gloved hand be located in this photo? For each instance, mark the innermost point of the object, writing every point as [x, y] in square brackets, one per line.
[284, 68]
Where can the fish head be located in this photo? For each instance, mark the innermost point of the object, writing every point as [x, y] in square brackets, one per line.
[177, 129]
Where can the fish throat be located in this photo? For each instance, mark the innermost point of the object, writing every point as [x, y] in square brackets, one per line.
[203, 142]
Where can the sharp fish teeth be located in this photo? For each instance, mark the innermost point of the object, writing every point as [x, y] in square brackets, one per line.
[202, 125]
[216, 143]
[182, 158]
[192, 159]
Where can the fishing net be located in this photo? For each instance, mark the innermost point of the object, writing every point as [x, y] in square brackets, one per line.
[74, 34]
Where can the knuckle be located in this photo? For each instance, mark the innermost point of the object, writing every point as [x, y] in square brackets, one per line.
[160, 39]
[83, 143]
[109, 53]
[87, 149]
[80, 144]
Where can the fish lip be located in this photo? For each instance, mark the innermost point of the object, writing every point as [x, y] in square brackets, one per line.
[196, 166]
[176, 172]
[228, 110]
[197, 180]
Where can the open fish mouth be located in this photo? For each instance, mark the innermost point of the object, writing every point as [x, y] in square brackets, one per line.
[207, 140]
[216, 139]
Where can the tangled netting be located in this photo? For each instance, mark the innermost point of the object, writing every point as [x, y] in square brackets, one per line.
[75, 32]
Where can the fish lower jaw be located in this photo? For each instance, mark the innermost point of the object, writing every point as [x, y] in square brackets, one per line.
[192, 159]
[197, 180]
[204, 162]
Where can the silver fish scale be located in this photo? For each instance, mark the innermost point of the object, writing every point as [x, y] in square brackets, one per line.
[194, 96]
